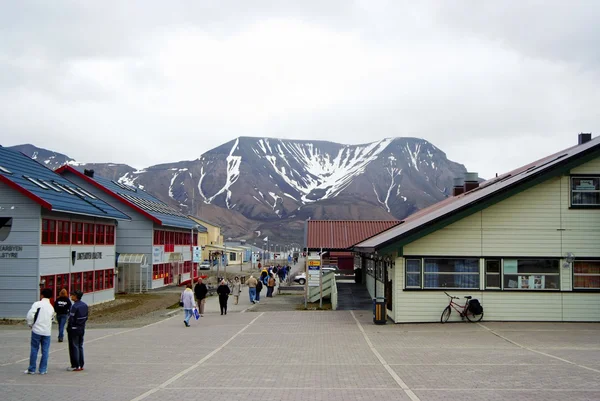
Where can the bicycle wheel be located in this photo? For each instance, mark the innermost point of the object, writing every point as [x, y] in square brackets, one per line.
[445, 314]
[474, 318]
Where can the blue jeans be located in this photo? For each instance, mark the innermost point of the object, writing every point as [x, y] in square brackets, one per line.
[62, 320]
[252, 293]
[257, 298]
[188, 314]
[36, 341]
[76, 348]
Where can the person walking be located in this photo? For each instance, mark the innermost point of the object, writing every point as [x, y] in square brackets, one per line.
[223, 291]
[62, 307]
[271, 285]
[76, 330]
[236, 289]
[200, 292]
[259, 287]
[39, 319]
[187, 301]
[252, 282]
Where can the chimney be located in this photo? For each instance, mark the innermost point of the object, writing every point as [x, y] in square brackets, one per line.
[584, 137]
[471, 181]
[458, 187]
[89, 173]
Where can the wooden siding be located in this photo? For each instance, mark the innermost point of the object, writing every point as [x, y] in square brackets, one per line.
[591, 167]
[19, 277]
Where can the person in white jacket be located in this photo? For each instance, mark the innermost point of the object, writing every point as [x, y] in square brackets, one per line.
[39, 319]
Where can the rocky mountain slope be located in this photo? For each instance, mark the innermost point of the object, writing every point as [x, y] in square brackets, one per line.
[273, 185]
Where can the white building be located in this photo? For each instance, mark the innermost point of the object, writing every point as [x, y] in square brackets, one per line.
[525, 243]
[53, 234]
[155, 246]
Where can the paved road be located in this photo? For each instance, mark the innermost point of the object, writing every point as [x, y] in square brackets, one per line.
[316, 355]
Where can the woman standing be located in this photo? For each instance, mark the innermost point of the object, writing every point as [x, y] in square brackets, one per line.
[236, 289]
[62, 307]
[187, 299]
[223, 291]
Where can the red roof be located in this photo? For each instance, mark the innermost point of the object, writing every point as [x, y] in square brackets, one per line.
[343, 234]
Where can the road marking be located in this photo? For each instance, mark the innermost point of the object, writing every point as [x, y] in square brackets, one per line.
[92, 340]
[387, 367]
[536, 351]
[194, 366]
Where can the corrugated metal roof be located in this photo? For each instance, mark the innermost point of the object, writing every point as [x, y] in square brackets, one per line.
[486, 190]
[343, 234]
[49, 189]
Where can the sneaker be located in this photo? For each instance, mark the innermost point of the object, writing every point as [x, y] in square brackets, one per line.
[43, 373]
[60, 340]
[28, 372]
[71, 369]
[78, 370]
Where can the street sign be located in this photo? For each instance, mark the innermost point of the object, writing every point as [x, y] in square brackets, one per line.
[314, 271]
[197, 254]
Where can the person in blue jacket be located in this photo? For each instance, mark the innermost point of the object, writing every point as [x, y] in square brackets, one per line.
[76, 330]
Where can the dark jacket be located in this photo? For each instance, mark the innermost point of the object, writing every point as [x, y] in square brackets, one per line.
[223, 290]
[259, 286]
[78, 317]
[200, 291]
[62, 306]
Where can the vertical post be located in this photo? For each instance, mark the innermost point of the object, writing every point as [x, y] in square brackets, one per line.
[321, 279]
[306, 281]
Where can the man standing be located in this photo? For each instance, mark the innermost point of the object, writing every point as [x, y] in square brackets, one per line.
[76, 331]
[200, 292]
[252, 282]
[39, 319]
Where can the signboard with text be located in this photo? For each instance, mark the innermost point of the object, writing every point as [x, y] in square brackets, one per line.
[314, 271]
[157, 255]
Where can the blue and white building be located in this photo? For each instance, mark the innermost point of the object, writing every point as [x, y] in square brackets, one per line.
[54, 234]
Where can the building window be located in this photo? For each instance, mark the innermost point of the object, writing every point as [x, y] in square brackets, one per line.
[110, 235]
[64, 232]
[48, 231]
[232, 256]
[586, 275]
[413, 273]
[5, 227]
[62, 282]
[76, 282]
[109, 276]
[155, 272]
[99, 280]
[100, 237]
[492, 274]
[50, 282]
[88, 233]
[531, 274]
[77, 233]
[88, 282]
[451, 273]
[585, 191]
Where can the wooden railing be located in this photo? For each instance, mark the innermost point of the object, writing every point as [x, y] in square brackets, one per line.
[329, 290]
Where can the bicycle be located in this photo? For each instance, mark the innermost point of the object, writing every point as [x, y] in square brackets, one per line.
[463, 310]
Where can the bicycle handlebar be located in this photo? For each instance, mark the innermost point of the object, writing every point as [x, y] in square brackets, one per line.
[450, 296]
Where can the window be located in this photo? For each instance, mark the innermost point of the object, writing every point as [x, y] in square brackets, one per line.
[5, 227]
[585, 191]
[531, 274]
[110, 235]
[232, 256]
[155, 272]
[76, 282]
[63, 187]
[451, 273]
[586, 275]
[413, 273]
[88, 282]
[50, 185]
[49, 282]
[64, 232]
[99, 280]
[492, 274]
[5, 170]
[109, 276]
[100, 238]
[62, 281]
[88, 233]
[76, 233]
[48, 231]
[36, 182]
[195, 240]
[86, 193]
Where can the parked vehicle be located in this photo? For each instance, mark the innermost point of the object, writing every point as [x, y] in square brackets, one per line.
[300, 278]
[204, 265]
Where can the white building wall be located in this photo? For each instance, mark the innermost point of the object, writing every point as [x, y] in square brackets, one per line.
[19, 274]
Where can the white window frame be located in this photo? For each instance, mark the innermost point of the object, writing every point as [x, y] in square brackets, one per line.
[573, 191]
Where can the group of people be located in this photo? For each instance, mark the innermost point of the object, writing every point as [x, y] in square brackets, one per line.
[71, 313]
[196, 299]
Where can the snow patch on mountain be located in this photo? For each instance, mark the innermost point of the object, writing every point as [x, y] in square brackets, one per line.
[233, 173]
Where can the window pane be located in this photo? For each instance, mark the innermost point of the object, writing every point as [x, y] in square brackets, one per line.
[492, 281]
[531, 282]
[585, 183]
[492, 266]
[451, 273]
[413, 280]
[586, 274]
[413, 266]
[538, 266]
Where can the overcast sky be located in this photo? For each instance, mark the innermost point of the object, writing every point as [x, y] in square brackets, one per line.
[494, 84]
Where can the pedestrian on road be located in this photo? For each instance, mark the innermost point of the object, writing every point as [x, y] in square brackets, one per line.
[271, 286]
[259, 287]
[236, 289]
[252, 283]
[200, 291]
[62, 307]
[39, 319]
[76, 330]
[187, 298]
[223, 292]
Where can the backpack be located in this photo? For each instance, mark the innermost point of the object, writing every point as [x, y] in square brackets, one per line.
[259, 286]
[475, 307]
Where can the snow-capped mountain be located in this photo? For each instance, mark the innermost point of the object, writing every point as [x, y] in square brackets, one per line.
[280, 183]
